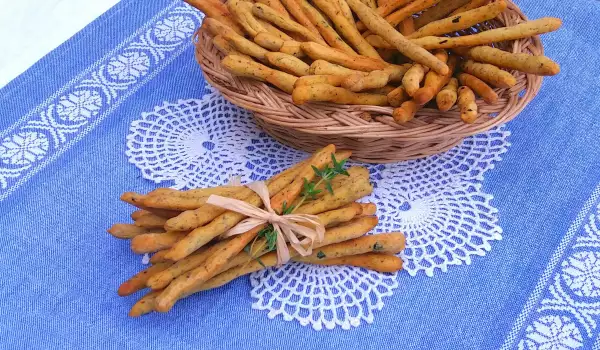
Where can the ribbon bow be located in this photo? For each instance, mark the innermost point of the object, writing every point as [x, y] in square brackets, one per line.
[287, 226]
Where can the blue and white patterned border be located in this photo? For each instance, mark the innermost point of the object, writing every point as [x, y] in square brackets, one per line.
[563, 311]
[42, 135]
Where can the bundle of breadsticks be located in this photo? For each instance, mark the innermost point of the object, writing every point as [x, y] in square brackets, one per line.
[186, 233]
[400, 53]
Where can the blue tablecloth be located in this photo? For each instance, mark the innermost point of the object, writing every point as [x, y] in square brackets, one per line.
[59, 182]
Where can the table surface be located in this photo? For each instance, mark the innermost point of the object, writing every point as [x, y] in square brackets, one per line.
[54, 21]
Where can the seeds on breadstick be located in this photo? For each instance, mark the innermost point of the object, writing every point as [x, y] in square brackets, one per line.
[438, 12]
[326, 30]
[247, 68]
[137, 200]
[158, 257]
[368, 209]
[412, 79]
[353, 229]
[242, 12]
[320, 52]
[328, 93]
[150, 221]
[378, 42]
[434, 82]
[473, 4]
[467, 105]
[145, 305]
[334, 80]
[539, 65]
[225, 46]
[397, 96]
[292, 47]
[406, 111]
[240, 43]
[268, 41]
[322, 67]
[287, 63]
[490, 73]
[416, 6]
[462, 21]
[299, 15]
[275, 5]
[270, 15]
[217, 10]
[162, 279]
[138, 281]
[153, 242]
[379, 26]
[371, 3]
[370, 261]
[126, 231]
[407, 26]
[384, 10]
[479, 87]
[274, 30]
[354, 190]
[519, 31]
[354, 173]
[346, 28]
[346, 11]
[374, 80]
[139, 213]
[446, 98]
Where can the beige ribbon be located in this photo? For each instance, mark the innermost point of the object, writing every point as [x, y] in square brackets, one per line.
[287, 226]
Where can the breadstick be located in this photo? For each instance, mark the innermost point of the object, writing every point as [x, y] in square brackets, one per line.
[434, 82]
[289, 193]
[137, 200]
[370, 261]
[275, 5]
[407, 26]
[391, 243]
[371, 3]
[274, 30]
[159, 256]
[461, 21]
[153, 242]
[378, 42]
[217, 10]
[368, 208]
[151, 221]
[326, 30]
[353, 229]
[202, 235]
[490, 73]
[144, 305]
[328, 93]
[539, 65]
[446, 98]
[387, 8]
[288, 63]
[126, 231]
[479, 87]
[247, 68]
[334, 80]
[413, 77]
[374, 80]
[292, 47]
[379, 26]
[346, 28]
[354, 189]
[138, 281]
[437, 12]
[299, 15]
[242, 12]
[174, 202]
[320, 52]
[354, 173]
[406, 111]
[397, 96]
[240, 43]
[270, 15]
[414, 7]
[322, 67]
[225, 46]
[346, 11]
[139, 213]
[519, 31]
[473, 4]
[467, 105]
[268, 41]
[162, 279]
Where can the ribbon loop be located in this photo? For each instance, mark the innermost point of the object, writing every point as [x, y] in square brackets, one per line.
[301, 230]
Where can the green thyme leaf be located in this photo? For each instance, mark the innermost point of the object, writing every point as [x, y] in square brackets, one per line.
[321, 255]
[328, 187]
[377, 246]
[285, 209]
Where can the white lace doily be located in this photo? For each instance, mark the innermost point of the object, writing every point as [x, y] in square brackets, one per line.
[437, 202]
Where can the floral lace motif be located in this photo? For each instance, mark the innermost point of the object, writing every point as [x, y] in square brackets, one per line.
[437, 202]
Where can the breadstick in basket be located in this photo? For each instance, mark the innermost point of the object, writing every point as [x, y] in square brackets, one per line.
[241, 66]
[326, 30]
[467, 105]
[322, 67]
[225, 47]
[270, 15]
[275, 5]
[320, 52]
[406, 111]
[412, 79]
[490, 73]
[274, 30]
[479, 87]
[473, 4]
[519, 31]
[217, 10]
[434, 82]
[539, 65]
[300, 16]
[288, 63]
[378, 25]
[328, 93]
[334, 80]
[417, 6]
[407, 27]
[446, 98]
[397, 96]
[437, 12]
[242, 12]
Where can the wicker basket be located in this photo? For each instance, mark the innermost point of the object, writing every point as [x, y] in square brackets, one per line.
[374, 136]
